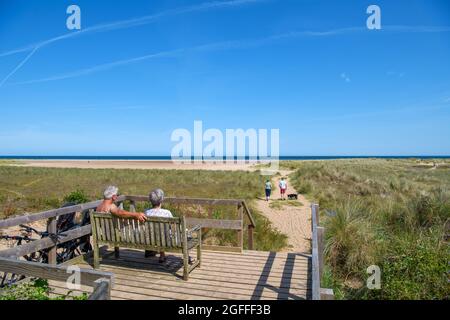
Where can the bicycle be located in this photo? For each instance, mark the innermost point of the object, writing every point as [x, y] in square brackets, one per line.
[64, 251]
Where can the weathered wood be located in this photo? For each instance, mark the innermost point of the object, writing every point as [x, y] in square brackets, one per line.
[45, 243]
[51, 272]
[132, 236]
[102, 290]
[52, 230]
[141, 280]
[132, 206]
[249, 214]
[185, 251]
[250, 237]
[215, 223]
[320, 247]
[240, 236]
[198, 201]
[222, 248]
[26, 219]
[315, 254]
[326, 294]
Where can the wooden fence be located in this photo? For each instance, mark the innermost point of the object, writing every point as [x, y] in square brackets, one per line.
[318, 234]
[100, 280]
[9, 258]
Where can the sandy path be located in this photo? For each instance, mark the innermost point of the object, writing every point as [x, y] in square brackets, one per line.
[293, 221]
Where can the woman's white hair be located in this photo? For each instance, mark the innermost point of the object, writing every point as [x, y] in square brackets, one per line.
[156, 197]
[110, 192]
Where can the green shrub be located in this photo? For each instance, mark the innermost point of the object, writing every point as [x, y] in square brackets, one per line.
[77, 196]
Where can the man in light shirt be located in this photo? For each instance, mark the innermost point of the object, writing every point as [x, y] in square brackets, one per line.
[156, 198]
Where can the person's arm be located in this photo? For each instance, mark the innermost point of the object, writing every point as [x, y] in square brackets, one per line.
[127, 214]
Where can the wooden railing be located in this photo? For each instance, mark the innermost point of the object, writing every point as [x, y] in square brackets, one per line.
[318, 234]
[236, 224]
[51, 215]
[100, 280]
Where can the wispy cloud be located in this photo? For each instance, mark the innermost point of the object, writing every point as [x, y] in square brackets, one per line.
[237, 44]
[345, 77]
[121, 25]
[395, 74]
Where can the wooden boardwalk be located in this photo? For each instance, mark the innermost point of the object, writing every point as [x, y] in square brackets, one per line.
[248, 275]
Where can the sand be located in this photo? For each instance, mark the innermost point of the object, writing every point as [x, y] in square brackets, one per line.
[136, 164]
[293, 221]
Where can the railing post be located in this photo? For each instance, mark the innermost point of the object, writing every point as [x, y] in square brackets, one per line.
[132, 206]
[320, 243]
[52, 230]
[315, 212]
[240, 237]
[250, 237]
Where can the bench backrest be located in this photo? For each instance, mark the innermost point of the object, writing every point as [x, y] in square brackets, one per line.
[158, 232]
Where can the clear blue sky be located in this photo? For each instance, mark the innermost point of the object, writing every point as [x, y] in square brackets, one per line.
[310, 68]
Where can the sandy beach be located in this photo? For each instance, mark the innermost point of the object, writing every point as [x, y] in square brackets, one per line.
[138, 164]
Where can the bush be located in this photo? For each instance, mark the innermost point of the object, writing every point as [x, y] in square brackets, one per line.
[34, 290]
[77, 197]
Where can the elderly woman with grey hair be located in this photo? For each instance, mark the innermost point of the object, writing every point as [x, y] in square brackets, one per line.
[156, 198]
[110, 196]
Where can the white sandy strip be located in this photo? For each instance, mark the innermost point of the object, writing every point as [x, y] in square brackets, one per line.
[137, 164]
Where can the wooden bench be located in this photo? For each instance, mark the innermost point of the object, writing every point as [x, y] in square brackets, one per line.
[156, 234]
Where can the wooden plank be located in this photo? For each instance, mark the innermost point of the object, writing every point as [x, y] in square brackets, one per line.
[52, 229]
[326, 294]
[112, 230]
[102, 290]
[167, 233]
[162, 234]
[26, 219]
[216, 268]
[196, 201]
[58, 289]
[98, 228]
[215, 223]
[320, 248]
[151, 225]
[45, 271]
[222, 248]
[107, 230]
[192, 290]
[174, 257]
[249, 214]
[315, 254]
[250, 237]
[210, 278]
[240, 236]
[45, 243]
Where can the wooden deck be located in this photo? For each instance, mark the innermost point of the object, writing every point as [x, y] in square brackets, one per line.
[249, 275]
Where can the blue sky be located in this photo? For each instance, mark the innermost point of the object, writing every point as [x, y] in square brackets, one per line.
[134, 73]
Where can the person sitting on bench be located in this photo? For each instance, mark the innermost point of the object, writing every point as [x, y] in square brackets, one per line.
[110, 196]
[156, 198]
